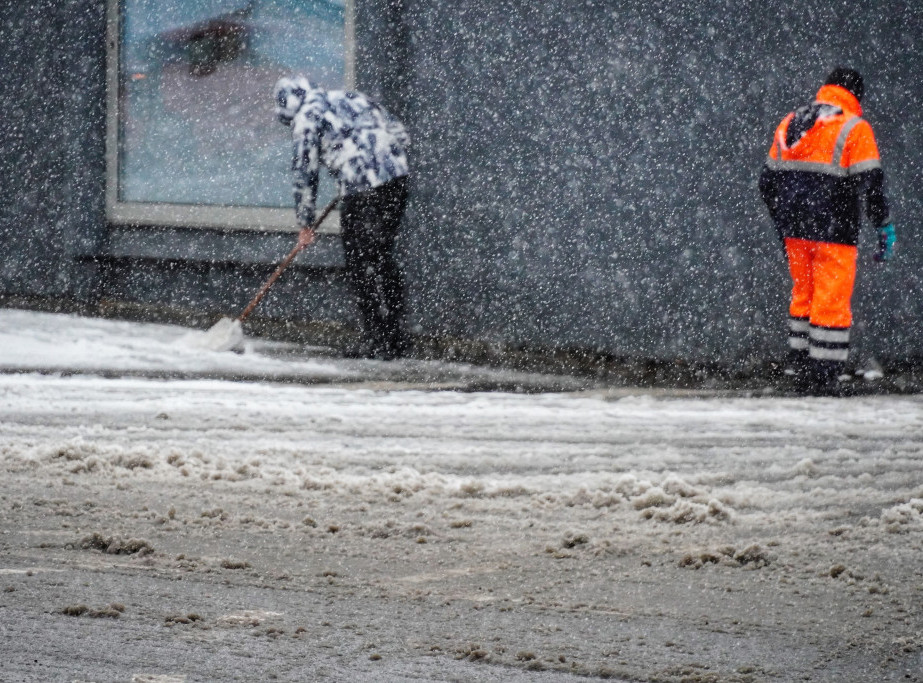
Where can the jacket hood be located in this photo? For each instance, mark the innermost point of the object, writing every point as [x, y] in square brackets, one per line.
[840, 97]
[290, 94]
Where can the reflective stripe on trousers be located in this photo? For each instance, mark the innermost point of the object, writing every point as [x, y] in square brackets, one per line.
[823, 276]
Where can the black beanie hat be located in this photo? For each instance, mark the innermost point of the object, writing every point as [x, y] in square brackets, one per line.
[847, 78]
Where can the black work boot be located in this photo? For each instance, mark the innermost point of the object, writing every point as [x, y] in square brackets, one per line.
[823, 378]
[796, 365]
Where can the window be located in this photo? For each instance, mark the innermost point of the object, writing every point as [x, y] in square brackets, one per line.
[192, 140]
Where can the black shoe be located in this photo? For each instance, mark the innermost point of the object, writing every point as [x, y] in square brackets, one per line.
[364, 349]
[827, 378]
[384, 353]
[391, 346]
[390, 352]
[374, 351]
[796, 363]
[839, 386]
[796, 373]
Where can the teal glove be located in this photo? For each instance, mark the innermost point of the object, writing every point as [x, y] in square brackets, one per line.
[886, 239]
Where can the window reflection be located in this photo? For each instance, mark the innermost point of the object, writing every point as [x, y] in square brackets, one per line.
[195, 105]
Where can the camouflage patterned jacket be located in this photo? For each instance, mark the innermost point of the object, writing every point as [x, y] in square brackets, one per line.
[360, 143]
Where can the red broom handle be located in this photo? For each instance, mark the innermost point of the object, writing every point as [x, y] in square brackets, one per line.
[285, 263]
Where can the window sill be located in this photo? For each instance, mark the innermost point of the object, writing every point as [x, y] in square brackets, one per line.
[237, 247]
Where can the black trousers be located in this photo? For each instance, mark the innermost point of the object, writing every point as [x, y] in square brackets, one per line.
[369, 223]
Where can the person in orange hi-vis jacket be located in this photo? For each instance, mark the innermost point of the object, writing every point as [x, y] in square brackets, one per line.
[823, 163]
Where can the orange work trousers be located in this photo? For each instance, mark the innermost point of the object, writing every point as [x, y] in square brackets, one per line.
[823, 277]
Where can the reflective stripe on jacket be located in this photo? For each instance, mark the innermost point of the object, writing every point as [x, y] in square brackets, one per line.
[822, 162]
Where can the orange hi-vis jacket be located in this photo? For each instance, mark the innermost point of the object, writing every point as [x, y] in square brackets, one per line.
[822, 162]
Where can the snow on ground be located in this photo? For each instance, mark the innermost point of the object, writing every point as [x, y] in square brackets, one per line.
[252, 530]
[44, 341]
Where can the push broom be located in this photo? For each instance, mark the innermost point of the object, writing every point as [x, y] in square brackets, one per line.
[228, 334]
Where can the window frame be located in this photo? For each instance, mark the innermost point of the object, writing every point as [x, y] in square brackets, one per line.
[250, 218]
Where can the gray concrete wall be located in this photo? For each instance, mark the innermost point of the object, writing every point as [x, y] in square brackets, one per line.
[53, 101]
[584, 173]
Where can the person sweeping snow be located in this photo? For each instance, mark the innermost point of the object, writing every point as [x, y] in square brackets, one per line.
[365, 149]
[822, 163]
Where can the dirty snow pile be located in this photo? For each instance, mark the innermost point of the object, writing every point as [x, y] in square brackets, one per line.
[669, 460]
